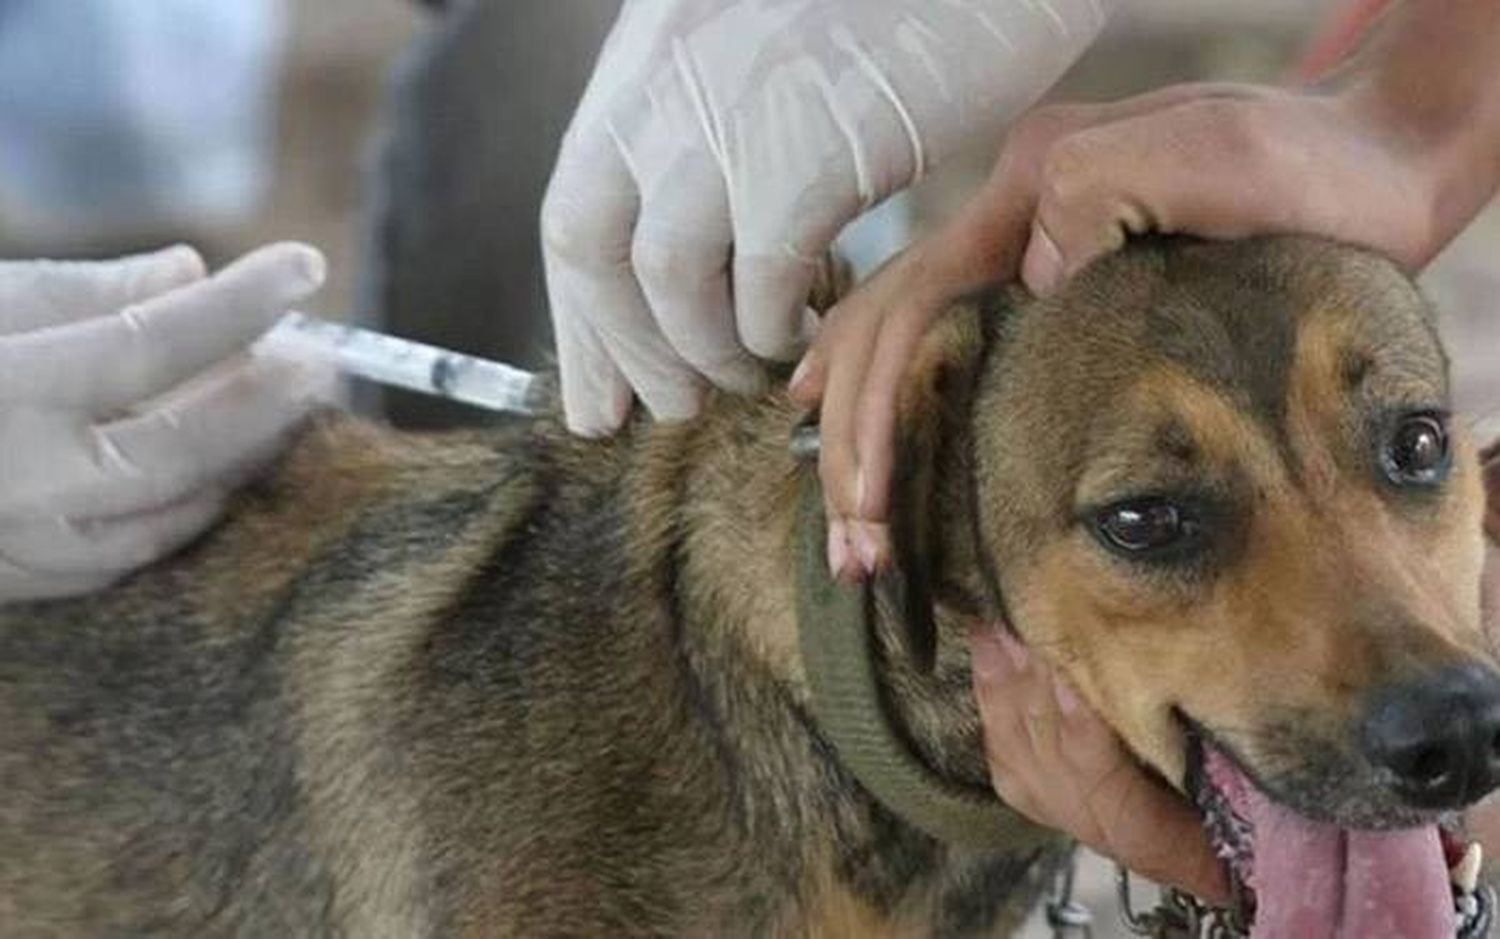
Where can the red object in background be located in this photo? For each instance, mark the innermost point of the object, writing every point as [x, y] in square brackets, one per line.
[1339, 37]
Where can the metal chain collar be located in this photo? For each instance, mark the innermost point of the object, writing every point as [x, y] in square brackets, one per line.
[1179, 915]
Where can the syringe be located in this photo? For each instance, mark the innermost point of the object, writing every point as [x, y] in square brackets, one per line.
[404, 363]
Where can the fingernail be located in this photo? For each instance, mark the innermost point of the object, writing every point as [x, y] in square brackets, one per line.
[869, 546]
[1067, 698]
[989, 660]
[311, 265]
[812, 324]
[585, 426]
[799, 374]
[1013, 647]
[838, 547]
[1042, 268]
[184, 260]
[741, 377]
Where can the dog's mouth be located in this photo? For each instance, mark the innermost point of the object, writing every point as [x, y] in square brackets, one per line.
[1314, 879]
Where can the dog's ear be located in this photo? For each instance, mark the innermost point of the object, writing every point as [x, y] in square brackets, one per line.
[933, 406]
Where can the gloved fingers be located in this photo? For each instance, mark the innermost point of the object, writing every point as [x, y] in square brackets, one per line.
[681, 253]
[587, 222]
[213, 431]
[596, 397]
[105, 548]
[771, 283]
[850, 155]
[109, 363]
[39, 294]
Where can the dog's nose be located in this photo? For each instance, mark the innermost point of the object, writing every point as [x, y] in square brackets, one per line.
[1439, 737]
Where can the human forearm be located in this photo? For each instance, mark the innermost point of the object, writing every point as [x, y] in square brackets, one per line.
[1430, 82]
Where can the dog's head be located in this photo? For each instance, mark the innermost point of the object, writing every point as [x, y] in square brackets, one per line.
[1221, 490]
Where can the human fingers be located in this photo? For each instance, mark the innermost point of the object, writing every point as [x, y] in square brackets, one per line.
[73, 550]
[588, 219]
[854, 371]
[987, 240]
[109, 363]
[595, 395]
[1007, 742]
[38, 294]
[1055, 761]
[207, 432]
[1140, 821]
[1221, 167]
[681, 255]
[837, 463]
[855, 365]
[773, 277]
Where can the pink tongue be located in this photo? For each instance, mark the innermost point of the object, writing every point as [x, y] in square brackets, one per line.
[1314, 880]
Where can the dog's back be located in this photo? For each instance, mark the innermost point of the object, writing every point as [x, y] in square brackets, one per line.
[432, 686]
[161, 744]
[307, 698]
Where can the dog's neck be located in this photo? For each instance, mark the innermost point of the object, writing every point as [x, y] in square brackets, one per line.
[731, 545]
[737, 560]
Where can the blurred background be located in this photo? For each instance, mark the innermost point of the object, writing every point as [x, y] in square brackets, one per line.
[411, 142]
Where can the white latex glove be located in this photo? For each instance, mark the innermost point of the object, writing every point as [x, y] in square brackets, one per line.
[720, 147]
[126, 409]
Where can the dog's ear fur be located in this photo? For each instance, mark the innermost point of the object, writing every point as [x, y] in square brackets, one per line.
[933, 404]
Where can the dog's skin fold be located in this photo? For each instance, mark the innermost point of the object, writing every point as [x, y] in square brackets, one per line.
[516, 683]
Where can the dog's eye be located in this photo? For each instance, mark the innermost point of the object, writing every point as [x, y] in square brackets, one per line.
[1417, 451]
[1145, 526]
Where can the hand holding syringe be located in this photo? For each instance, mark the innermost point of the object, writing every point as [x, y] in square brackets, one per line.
[404, 363]
[431, 370]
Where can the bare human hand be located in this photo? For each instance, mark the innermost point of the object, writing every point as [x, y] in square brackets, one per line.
[1398, 160]
[1055, 761]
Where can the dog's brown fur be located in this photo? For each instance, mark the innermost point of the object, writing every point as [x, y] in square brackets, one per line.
[514, 683]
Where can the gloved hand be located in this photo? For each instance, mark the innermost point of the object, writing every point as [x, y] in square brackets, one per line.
[720, 147]
[124, 420]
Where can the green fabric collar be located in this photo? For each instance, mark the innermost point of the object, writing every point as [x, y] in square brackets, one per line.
[835, 624]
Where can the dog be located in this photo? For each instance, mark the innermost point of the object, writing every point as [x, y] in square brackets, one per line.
[510, 682]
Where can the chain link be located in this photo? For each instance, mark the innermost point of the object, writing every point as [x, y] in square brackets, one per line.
[1179, 915]
[1476, 913]
[1067, 917]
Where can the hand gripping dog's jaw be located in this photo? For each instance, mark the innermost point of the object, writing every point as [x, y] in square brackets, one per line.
[1224, 496]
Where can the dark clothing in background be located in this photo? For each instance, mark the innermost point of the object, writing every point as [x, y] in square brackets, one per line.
[475, 113]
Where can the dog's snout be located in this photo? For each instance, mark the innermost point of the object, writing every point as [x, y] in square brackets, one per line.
[1438, 737]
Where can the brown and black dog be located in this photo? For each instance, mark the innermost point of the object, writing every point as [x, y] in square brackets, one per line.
[517, 683]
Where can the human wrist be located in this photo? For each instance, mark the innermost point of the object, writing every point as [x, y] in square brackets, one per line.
[1445, 166]
[1428, 93]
